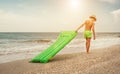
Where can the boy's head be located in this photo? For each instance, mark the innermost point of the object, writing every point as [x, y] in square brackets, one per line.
[93, 17]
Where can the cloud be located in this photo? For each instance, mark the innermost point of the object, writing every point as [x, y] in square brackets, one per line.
[16, 22]
[116, 11]
[116, 15]
[109, 1]
[11, 17]
[10, 21]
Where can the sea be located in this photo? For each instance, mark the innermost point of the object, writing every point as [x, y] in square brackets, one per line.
[24, 45]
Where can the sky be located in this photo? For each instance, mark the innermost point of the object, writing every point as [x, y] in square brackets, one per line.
[58, 15]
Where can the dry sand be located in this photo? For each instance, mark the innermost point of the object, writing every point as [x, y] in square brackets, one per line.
[99, 61]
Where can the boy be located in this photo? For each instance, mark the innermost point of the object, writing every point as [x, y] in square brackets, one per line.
[89, 25]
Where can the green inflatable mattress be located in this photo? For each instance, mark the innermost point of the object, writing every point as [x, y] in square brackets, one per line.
[63, 39]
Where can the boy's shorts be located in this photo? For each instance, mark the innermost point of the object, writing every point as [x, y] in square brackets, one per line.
[87, 34]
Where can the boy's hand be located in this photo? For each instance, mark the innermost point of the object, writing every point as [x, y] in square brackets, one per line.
[76, 31]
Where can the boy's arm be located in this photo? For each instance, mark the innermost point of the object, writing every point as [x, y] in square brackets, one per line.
[93, 29]
[79, 27]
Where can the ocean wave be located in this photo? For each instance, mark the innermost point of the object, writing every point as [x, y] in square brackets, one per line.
[38, 41]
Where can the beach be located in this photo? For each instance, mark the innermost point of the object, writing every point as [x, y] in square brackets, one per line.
[17, 49]
[100, 61]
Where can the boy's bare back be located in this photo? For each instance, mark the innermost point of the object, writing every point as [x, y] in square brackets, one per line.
[89, 24]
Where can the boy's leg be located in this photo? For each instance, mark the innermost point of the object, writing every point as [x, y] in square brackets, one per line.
[87, 44]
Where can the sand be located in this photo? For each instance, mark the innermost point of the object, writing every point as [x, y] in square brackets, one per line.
[99, 61]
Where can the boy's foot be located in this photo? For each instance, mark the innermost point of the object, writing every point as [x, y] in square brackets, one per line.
[88, 52]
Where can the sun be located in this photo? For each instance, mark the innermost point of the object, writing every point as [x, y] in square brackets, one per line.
[74, 3]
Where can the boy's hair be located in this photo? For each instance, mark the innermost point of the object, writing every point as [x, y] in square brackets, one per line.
[93, 17]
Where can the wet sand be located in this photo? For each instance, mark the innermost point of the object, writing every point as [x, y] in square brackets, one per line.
[99, 61]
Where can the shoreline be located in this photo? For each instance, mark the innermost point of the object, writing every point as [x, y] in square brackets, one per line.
[99, 61]
[30, 54]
